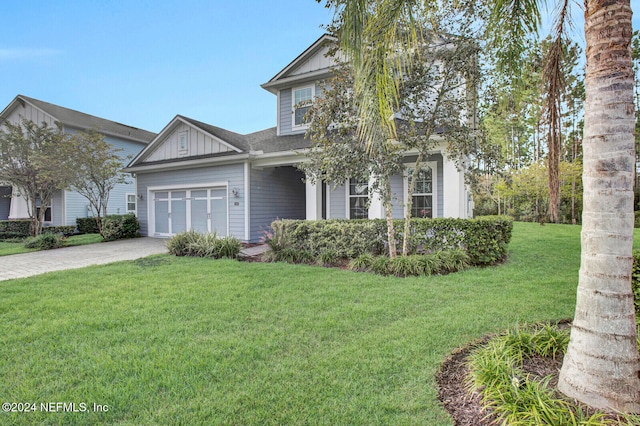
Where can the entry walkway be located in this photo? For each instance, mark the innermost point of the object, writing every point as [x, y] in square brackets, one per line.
[39, 262]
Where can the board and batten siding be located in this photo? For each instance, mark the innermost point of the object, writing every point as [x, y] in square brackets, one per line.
[276, 193]
[29, 112]
[232, 174]
[198, 143]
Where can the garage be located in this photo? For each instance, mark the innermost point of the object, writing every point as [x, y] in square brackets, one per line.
[198, 209]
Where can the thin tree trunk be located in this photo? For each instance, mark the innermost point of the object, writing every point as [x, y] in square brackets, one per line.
[601, 365]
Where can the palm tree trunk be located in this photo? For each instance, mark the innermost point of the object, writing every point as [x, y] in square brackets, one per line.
[601, 365]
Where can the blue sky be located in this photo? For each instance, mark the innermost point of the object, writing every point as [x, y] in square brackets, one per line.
[141, 62]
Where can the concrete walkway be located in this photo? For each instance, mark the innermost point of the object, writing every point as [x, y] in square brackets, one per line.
[39, 262]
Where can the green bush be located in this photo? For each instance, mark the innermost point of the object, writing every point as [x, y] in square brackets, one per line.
[484, 240]
[65, 231]
[192, 243]
[118, 227]
[361, 263]
[637, 219]
[44, 242]
[327, 257]
[14, 229]
[635, 284]
[87, 225]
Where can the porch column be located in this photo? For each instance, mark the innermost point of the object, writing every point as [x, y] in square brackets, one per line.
[454, 196]
[18, 209]
[313, 200]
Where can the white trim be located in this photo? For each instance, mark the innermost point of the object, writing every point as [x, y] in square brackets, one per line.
[278, 98]
[187, 164]
[347, 191]
[304, 126]
[434, 184]
[126, 203]
[247, 200]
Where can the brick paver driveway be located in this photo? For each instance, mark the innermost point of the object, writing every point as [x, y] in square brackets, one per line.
[39, 262]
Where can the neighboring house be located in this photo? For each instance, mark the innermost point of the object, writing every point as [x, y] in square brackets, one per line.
[68, 205]
[197, 176]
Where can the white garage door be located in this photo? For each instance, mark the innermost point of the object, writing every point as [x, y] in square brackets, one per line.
[203, 210]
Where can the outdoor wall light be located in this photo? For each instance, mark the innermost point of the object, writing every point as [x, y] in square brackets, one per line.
[140, 196]
[234, 191]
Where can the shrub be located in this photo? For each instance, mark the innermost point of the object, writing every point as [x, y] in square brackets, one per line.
[15, 229]
[118, 227]
[44, 242]
[192, 243]
[181, 243]
[484, 240]
[65, 231]
[229, 247]
[361, 263]
[87, 225]
[430, 264]
[327, 257]
[635, 284]
[380, 265]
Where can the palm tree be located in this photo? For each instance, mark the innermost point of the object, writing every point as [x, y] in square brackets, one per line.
[602, 365]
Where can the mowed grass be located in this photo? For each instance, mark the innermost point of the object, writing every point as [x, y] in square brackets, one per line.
[167, 340]
[8, 248]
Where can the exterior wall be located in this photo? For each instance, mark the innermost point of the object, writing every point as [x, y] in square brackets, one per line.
[28, 112]
[198, 143]
[232, 174]
[57, 209]
[286, 111]
[5, 202]
[318, 61]
[276, 193]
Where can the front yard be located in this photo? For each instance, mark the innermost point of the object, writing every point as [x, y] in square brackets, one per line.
[167, 340]
[7, 248]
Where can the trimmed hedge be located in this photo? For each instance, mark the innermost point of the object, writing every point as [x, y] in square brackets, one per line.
[44, 242]
[14, 229]
[196, 244]
[65, 231]
[119, 227]
[484, 239]
[87, 225]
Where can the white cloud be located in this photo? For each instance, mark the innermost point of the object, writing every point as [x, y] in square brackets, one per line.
[27, 54]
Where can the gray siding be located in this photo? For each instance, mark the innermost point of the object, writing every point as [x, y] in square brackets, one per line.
[276, 193]
[285, 111]
[5, 202]
[337, 203]
[57, 209]
[232, 174]
[397, 189]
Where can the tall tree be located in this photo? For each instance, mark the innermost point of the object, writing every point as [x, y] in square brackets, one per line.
[602, 365]
[33, 160]
[97, 170]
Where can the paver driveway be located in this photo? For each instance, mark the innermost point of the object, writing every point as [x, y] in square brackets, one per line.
[39, 262]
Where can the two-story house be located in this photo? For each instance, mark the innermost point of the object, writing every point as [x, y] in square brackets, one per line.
[197, 176]
[68, 205]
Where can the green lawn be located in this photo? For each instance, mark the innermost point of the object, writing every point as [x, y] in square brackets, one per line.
[167, 340]
[7, 248]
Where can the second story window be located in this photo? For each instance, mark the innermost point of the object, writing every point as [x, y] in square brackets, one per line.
[302, 98]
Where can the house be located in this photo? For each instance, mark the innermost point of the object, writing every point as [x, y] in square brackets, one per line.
[197, 176]
[68, 205]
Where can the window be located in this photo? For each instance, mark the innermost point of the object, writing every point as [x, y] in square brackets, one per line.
[302, 99]
[422, 199]
[358, 198]
[131, 203]
[183, 146]
[47, 212]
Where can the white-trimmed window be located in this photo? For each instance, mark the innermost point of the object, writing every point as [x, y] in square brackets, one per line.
[302, 98]
[131, 203]
[424, 193]
[183, 143]
[358, 198]
[47, 213]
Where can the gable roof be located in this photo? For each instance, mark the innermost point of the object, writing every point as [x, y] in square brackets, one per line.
[83, 121]
[284, 76]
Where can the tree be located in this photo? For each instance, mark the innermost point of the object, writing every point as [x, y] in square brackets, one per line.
[602, 366]
[33, 161]
[338, 154]
[97, 170]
